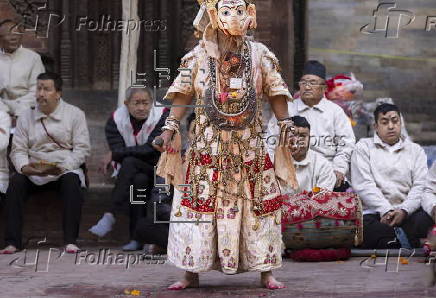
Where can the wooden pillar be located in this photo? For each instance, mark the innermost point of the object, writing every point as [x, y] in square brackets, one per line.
[116, 44]
[149, 11]
[301, 37]
[163, 52]
[129, 50]
[66, 52]
[174, 35]
[54, 39]
[282, 37]
[81, 48]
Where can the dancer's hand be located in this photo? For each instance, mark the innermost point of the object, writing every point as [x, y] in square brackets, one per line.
[166, 136]
[169, 143]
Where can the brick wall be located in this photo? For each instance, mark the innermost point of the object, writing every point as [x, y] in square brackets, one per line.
[30, 40]
[402, 68]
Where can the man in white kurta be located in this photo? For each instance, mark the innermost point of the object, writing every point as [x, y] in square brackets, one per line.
[49, 147]
[331, 133]
[19, 68]
[428, 201]
[388, 172]
[312, 169]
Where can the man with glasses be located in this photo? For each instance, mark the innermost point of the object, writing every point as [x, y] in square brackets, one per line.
[130, 133]
[331, 131]
[19, 68]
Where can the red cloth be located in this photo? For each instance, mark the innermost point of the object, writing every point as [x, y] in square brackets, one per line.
[320, 255]
[308, 205]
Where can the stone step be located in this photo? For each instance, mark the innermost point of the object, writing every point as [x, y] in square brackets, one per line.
[417, 117]
[429, 126]
[43, 218]
[425, 138]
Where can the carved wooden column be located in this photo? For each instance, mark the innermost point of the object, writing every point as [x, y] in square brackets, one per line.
[186, 30]
[163, 53]
[81, 48]
[116, 44]
[301, 37]
[102, 73]
[282, 37]
[148, 41]
[65, 46]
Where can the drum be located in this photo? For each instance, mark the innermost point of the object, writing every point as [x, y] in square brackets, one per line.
[322, 219]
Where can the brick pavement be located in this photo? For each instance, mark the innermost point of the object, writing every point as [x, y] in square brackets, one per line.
[66, 277]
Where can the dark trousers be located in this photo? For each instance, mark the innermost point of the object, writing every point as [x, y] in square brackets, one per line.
[152, 233]
[134, 172]
[379, 235]
[69, 190]
[343, 187]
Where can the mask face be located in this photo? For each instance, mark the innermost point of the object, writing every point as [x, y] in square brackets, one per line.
[232, 15]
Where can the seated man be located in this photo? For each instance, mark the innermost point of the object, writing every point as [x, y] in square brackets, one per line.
[154, 230]
[19, 68]
[388, 173]
[428, 202]
[49, 146]
[147, 230]
[331, 133]
[312, 169]
[130, 133]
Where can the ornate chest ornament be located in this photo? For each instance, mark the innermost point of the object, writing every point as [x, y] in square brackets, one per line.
[234, 111]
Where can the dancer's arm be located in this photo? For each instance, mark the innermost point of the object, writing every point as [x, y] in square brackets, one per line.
[279, 106]
[178, 113]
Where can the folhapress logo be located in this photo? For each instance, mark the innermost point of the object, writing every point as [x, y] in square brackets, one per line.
[388, 19]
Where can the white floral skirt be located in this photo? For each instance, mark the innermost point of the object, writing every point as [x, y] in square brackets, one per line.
[233, 240]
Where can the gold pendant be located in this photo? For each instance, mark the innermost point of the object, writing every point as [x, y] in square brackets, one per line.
[278, 218]
[235, 208]
[178, 213]
[256, 225]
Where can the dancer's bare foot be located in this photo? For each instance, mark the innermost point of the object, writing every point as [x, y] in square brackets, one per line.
[268, 281]
[190, 280]
[8, 250]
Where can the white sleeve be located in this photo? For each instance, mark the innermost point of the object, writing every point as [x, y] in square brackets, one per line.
[29, 99]
[20, 144]
[346, 143]
[413, 200]
[363, 181]
[81, 144]
[326, 177]
[5, 126]
[428, 201]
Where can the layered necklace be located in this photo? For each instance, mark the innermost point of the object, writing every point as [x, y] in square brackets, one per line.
[231, 102]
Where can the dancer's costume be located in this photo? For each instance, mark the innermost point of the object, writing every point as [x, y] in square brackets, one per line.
[232, 180]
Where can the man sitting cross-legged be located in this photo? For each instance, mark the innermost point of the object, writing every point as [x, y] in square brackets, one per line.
[49, 146]
[388, 172]
[331, 133]
[130, 133]
[312, 169]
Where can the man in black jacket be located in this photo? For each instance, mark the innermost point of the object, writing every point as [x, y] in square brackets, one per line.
[153, 230]
[130, 133]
